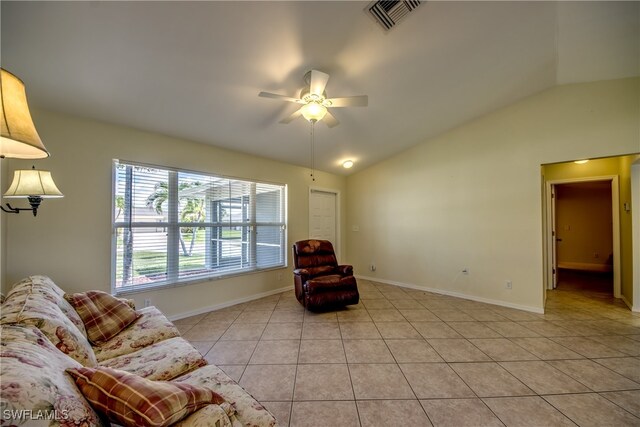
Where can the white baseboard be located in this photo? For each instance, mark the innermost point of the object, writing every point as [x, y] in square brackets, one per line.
[229, 303]
[586, 266]
[455, 294]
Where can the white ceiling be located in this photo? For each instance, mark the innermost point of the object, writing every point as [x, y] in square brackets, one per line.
[194, 69]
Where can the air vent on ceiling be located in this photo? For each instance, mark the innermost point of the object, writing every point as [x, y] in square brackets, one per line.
[388, 13]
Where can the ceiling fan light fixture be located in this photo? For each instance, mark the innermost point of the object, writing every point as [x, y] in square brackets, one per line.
[313, 112]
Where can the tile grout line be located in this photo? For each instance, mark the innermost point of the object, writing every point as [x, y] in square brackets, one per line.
[295, 376]
[346, 360]
[258, 341]
[400, 369]
[610, 327]
[621, 407]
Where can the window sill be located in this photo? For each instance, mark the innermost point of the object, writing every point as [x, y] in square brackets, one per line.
[158, 287]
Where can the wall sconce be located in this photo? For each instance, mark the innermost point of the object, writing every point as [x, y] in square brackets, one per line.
[19, 139]
[34, 185]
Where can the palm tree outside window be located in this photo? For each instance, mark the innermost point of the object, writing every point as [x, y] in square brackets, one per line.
[173, 226]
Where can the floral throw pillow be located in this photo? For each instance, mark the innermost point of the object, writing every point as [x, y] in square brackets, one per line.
[36, 391]
[128, 399]
[37, 309]
[104, 316]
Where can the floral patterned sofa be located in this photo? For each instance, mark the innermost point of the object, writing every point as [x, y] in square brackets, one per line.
[42, 336]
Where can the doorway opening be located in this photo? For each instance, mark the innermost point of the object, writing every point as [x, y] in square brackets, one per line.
[594, 264]
[584, 236]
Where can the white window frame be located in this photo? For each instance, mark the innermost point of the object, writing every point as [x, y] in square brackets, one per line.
[173, 225]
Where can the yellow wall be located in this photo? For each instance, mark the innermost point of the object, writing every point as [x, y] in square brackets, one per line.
[635, 230]
[472, 197]
[626, 228]
[595, 167]
[618, 165]
[70, 240]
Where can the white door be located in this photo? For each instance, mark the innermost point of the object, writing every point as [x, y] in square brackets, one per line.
[322, 216]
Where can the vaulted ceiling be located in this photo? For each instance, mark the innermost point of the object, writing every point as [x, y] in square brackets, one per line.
[194, 69]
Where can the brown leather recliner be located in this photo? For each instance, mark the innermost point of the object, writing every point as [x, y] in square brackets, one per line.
[319, 281]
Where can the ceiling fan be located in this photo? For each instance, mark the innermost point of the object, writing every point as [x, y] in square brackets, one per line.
[315, 102]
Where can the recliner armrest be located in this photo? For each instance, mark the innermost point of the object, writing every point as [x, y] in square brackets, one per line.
[345, 270]
[301, 272]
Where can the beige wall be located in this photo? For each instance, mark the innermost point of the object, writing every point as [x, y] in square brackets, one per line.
[472, 197]
[584, 223]
[70, 240]
[620, 166]
[3, 228]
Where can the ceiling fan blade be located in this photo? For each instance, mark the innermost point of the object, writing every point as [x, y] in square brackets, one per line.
[349, 101]
[318, 82]
[292, 117]
[280, 97]
[330, 120]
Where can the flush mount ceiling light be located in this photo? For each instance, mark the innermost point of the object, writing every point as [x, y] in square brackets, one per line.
[347, 164]
[19, 138]
[34, 185]
[581, 162]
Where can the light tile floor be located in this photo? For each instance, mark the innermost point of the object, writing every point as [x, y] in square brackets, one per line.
[406, 357]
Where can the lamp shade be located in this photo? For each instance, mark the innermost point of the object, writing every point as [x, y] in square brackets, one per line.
[32, 182]
[19, 138]
[313, 111]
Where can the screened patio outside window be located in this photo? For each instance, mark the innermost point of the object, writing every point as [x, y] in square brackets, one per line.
[173, 226]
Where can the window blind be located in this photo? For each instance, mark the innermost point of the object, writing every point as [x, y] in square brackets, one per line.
[172, 226]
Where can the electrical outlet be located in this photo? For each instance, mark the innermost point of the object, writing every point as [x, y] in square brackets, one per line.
[279, 277]
[596, 255]
[147, 302]
[508, 284]
[465, 271]
[372, 267]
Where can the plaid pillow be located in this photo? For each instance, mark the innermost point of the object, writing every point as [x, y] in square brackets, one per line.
[104, 316]
[131, 400]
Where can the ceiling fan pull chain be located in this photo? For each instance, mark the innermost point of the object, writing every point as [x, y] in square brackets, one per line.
[313, 178]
